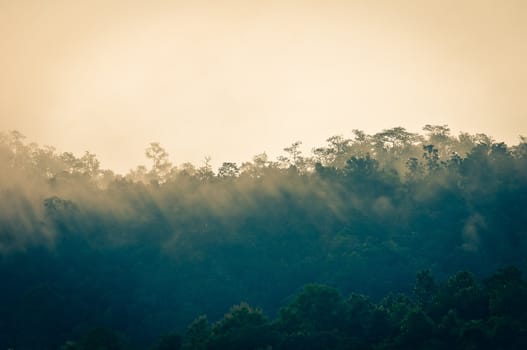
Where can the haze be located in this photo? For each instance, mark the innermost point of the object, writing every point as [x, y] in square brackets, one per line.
[231, 79]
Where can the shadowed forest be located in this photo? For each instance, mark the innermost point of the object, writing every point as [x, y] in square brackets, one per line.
[394, 240]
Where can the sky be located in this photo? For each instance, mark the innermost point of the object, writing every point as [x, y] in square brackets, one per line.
[232, 79]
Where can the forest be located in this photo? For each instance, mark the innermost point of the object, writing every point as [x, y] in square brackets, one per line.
[395, 240]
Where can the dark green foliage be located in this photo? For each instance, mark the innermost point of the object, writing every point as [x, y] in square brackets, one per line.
[319, 318]
[243, 327]
[315, 309]
[198, 334]
[144, 253]
[424, 288]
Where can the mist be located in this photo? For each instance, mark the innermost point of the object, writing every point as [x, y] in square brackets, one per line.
[235, 79]
[362, 214]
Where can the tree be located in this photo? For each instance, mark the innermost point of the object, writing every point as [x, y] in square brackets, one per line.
[439, 136]
[295, 155]
[316, 308]
[90, 165]
[161, 165]
[228, 170]
[243, 327]
[415, 169]
[198, 334]
[205, 172]
[362, 168]
[424, 288]
[431, 157]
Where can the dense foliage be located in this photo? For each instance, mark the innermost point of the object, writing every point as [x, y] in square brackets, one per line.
[144, 253]
[459, 313]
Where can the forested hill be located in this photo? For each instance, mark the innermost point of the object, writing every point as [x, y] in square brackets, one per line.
[147, 252]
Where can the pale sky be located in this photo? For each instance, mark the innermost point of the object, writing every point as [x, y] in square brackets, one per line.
[232, 79]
